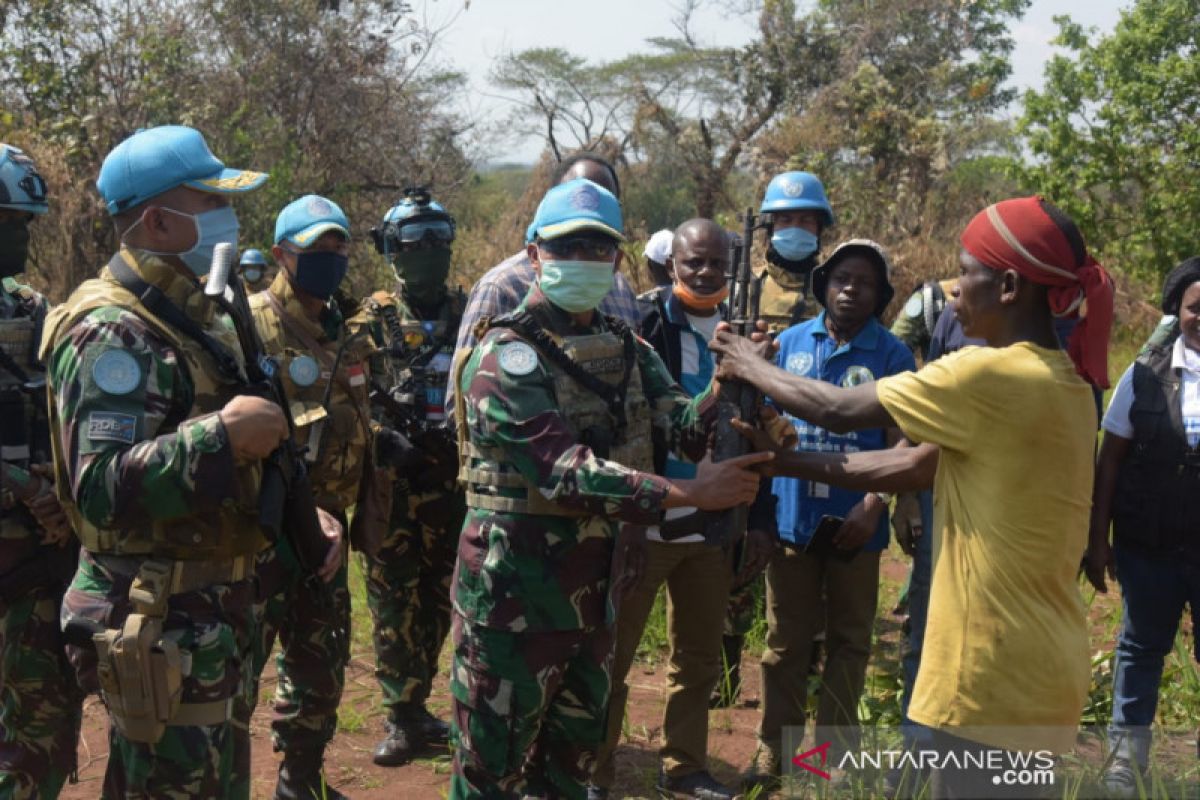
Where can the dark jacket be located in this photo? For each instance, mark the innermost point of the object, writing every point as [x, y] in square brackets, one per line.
[663, 324]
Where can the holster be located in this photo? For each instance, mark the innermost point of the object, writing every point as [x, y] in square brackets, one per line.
[373, 511]
[140, 671]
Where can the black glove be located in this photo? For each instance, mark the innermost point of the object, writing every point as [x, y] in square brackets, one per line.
[393, 449]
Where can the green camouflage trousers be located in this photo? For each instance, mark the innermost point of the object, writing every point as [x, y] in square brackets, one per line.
[408, 592]
[216, 626]
[529, 710]
[40, 702]
[312, 622]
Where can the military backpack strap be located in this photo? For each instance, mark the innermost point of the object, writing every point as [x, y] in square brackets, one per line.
[162, 307]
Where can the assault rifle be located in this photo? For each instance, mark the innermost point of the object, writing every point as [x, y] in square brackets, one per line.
[286, 505]
[736, 400]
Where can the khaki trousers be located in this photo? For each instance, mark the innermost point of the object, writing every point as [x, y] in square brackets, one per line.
[698, 577]
[794, 587]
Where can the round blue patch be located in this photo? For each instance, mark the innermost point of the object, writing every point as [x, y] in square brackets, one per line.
[117, 372]
[304, 371]
[518, 358]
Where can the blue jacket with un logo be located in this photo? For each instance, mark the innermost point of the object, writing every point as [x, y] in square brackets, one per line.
[808, 350]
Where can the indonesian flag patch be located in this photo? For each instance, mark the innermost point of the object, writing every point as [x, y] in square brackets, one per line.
[356, 375]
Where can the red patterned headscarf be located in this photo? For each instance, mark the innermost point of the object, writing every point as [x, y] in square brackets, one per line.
[1042, 244]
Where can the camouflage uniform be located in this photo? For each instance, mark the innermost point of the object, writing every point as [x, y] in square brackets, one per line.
[532, 630]
[915, 322]
[310, 617]
[408, 579]
[146, 473]
[40, 700]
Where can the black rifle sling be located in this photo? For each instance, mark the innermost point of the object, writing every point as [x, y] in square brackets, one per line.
[162, 307]
[528, 327]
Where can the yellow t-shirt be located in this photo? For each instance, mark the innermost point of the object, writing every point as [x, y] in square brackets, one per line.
[1005, 659]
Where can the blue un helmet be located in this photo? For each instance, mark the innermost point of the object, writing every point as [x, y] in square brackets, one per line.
[21, 187]
[797, 191]
[417, 219]
[254, 257]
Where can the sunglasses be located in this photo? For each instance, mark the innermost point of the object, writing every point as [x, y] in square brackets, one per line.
[587, 248]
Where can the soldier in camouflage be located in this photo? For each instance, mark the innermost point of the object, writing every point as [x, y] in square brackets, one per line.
[799, 213]
[408, 572]
[324, 375]
[40, 700]
[556, 411]
[157, 459]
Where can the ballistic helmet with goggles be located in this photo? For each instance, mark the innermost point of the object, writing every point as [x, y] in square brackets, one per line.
[797, 191]
[21, 187]
[874, 253]
[415, 220]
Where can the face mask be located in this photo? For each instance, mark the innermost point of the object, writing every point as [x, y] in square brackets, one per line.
[576, 286]
[424, 273]
[14, 246]
[794, 244]
[318, 273]
[252, 275]
[212, 228]
[700, 301]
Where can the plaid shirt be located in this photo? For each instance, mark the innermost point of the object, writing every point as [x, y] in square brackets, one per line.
[503, 288]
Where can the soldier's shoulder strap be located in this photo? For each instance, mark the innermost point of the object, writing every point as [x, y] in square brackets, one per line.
[161, 306]
[527, 327]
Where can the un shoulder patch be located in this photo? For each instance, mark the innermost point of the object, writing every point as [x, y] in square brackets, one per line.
[116, 372]
[518, 358]
[110, 426]
[304, 370]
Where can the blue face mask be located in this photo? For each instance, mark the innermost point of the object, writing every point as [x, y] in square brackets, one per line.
[319, 272]
[794, 244]
[252, 274]
[212, 227]
[576, 286]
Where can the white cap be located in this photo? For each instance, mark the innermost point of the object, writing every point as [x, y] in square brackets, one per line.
[658, 249]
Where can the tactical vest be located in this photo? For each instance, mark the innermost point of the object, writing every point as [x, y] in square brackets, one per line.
[785, 299]
[337, 460]
[24, 432]
[418, 352]
[234, 530]
[494, 484]
[1157, 498]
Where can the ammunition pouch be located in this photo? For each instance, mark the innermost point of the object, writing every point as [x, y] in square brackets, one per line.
[140, 670]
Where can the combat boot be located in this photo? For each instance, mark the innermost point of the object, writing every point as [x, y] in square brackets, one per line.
[302, 778]
[433, 730]
[405, 727]
[729, 685]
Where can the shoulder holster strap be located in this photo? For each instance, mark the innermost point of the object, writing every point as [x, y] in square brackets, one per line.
[161, 306]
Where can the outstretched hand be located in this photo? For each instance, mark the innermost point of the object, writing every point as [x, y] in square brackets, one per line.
[739, 356]
[721, 484]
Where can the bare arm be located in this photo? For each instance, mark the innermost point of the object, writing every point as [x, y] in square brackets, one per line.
[831, 407]
[1113, 450]
[897, 469]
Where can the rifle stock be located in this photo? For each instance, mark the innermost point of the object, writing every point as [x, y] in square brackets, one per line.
[736, 400]
[286, 505]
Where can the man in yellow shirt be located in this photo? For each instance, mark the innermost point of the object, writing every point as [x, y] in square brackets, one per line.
[1007, 434]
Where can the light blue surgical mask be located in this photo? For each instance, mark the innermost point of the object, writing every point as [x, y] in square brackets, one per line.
[576, 286]
[795, 244]
[212, 227]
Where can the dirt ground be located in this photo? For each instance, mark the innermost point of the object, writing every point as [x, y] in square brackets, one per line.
[348, 760]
